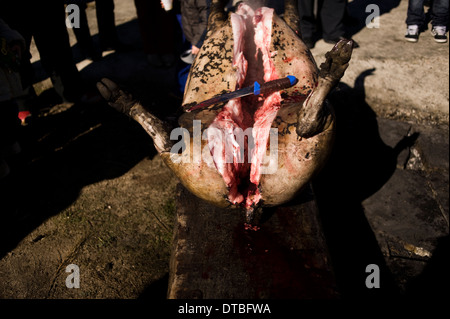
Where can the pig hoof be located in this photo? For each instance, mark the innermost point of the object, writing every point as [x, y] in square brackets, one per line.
[117, 98]
[337, 61]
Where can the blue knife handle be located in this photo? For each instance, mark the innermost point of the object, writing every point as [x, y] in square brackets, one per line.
[256, 89]
[275, 85]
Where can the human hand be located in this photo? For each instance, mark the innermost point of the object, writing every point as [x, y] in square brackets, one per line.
[166, 4]
[194, 50]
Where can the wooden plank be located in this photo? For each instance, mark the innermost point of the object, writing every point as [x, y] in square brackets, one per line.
[214, 257]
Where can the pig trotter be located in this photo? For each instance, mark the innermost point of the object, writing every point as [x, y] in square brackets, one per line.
[315, 115]
[336, 61]
[124, 102]
[117, 98]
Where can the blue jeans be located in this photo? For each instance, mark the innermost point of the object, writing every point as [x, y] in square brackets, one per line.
[416, 13]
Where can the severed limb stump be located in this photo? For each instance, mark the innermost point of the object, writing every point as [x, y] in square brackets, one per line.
[214, 257]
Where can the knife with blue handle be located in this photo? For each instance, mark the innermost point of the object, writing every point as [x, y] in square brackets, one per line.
[255, 89]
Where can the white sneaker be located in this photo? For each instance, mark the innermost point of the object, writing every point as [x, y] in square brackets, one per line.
[412, 33]
[439, 32]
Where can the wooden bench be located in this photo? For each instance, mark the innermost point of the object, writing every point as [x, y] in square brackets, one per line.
[214, 257]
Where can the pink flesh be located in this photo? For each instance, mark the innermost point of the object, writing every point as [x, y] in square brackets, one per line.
[251, 57]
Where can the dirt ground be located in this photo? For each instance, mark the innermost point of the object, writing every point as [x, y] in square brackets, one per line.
[89, 188]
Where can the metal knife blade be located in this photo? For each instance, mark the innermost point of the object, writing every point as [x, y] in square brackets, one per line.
[256, 89]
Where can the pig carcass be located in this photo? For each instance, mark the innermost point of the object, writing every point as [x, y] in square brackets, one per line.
[254, 151]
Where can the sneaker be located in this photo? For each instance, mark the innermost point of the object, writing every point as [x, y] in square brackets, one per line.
[439, 32]
[412, 33]
[187, 57]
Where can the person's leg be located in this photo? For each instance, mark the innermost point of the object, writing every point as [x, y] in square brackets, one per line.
[9, 125]
[157, 30]
[148, 24]
[439, 14]
[416, 13]
[439, 20]
[83, 35]
[52, 40]
[332, 16]
[106, 24]
[307, 19]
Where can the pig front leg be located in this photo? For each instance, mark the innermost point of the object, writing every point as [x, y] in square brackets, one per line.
[315, 116]
[123, 102]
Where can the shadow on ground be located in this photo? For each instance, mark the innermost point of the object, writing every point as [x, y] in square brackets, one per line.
[358, 14]
[65, 149]
[360, 164]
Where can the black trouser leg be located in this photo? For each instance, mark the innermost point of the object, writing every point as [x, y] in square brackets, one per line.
[8, 125]
[106, 24]
[83, 33]
[307, 19]
[332, 14]
[52, 41]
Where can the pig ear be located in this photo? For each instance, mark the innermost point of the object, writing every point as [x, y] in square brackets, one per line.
[291, 16]
[217, 15]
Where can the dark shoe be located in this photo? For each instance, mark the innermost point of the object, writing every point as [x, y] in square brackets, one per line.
[94, 56]
[336, 40]
[118, 47]
[333, 41]
[122, 47]
[309, 42]
[412, 33]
